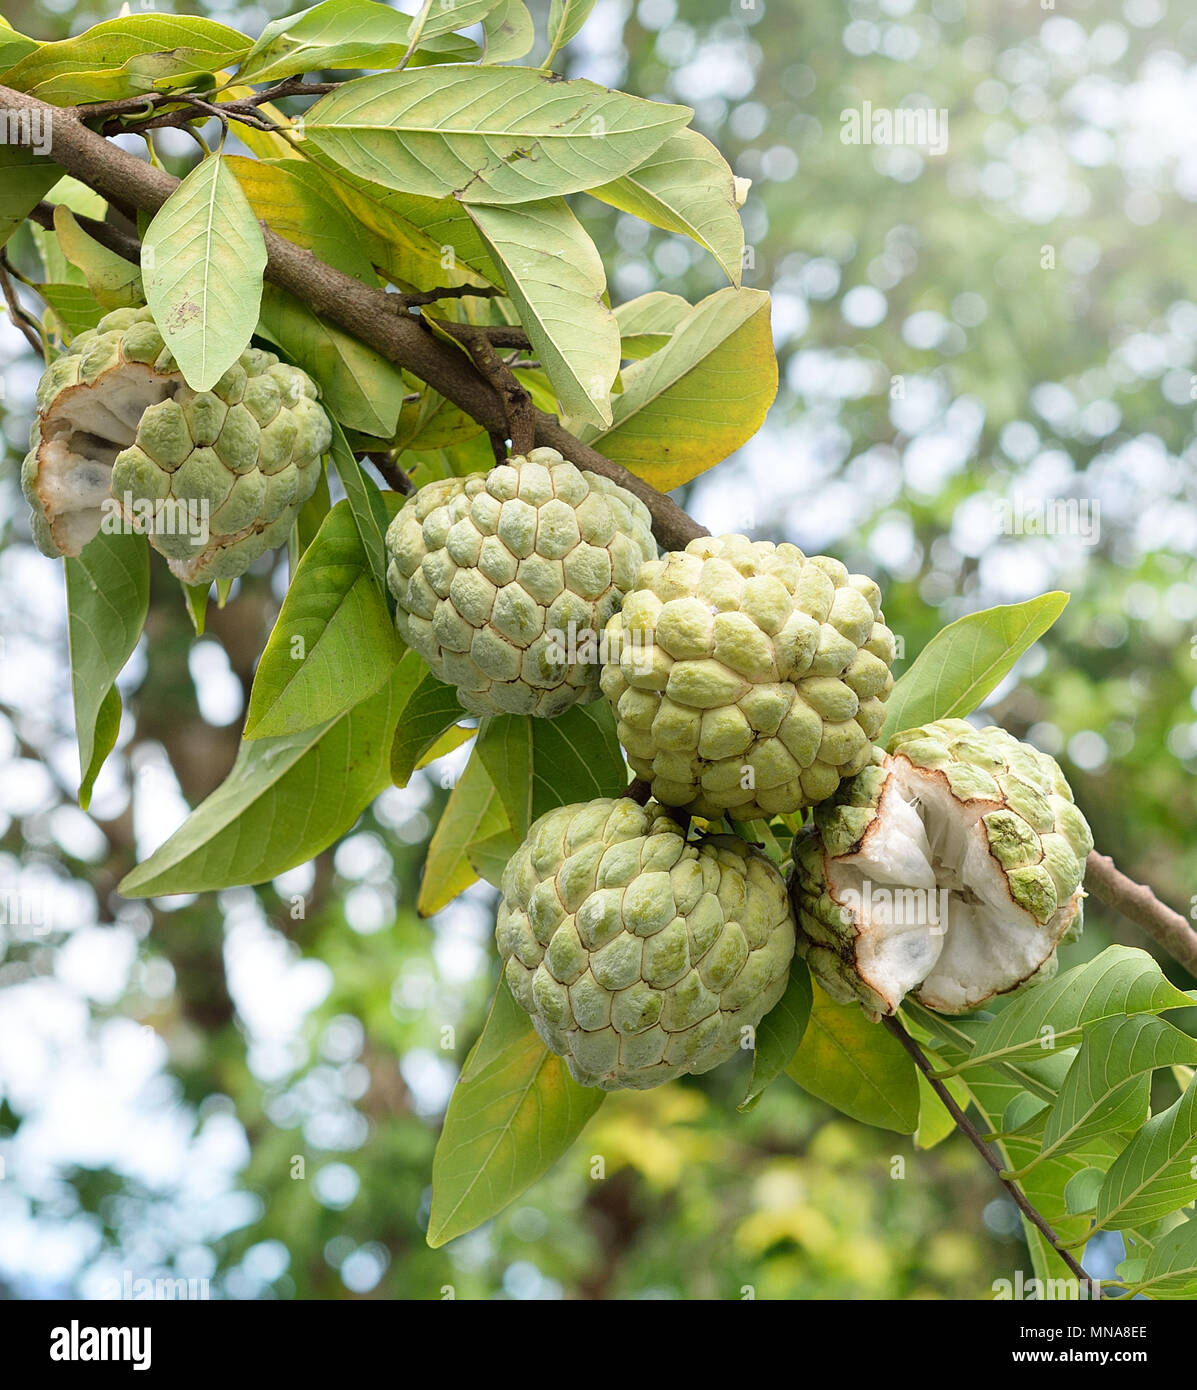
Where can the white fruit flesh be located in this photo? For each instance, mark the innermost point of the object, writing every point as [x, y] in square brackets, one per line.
[931, 904]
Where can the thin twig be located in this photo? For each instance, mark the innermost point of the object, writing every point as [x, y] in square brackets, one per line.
[1140, 905]
[394, 476]
[20, 319]
[412, 301]
[517, 402]
[970, 1132]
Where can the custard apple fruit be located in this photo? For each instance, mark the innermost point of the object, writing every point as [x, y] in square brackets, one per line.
[641, 956]
[949, 869]
[504, 581]
[748, 679]
[214, 478]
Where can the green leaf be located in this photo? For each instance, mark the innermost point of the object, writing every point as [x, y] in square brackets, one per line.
[13, 46]
[556, 280]
[1157, 1171]
[1170, 1270]
[537, 764]
[74, 307]
[446, 15]
[699, 398]
[108, 597]
[1121, 980]
[686, 187]
[1080, 1192]
[433, 708]
[294, 199]
[127, 56]
[566, 18]
[285, 800]
[472, 813]
[489, 857]
[509, 32]
[371, 512]
[1107, 1089]
[487, 135]
[202, 261]
[334, 642]
[779, 1033]
[357, 385]
[856, 1066]
[25, 179]
[114, 281]
[341, 34]
[964, 661]
[195, 598]
[647, 322]
[935, 1119]
[514, 1112]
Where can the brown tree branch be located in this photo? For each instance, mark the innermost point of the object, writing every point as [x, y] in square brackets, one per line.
[1136, 902]
[368, 314]
[970, 1132]
[391, 473]
[517, 403]
[20, 318]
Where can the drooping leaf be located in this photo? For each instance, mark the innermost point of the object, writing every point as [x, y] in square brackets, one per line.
[508, 31]
[334, 643]
[779, 1033]
[285, 800]
[74, 306]
[343, 34]
[25, 179]
[1108, 1086]
[433, 708]
[114, 281]
[108, 597]
[685, 187]
[1121, 980]
[13, 46]
[358, 385]
[201, 262]
[472, 813]
[371, 511]
[556, 280]
[566, 18]
[856, 1066]
[1157, 1171]
[293, 197]
[698, 399]
[127, 56]
[487, 135]
[514, 1111]
[489, 857]
[964, 661]
[537, 764]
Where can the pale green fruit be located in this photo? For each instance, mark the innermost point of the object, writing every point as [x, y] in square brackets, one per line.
[504, 581]
[641, 956]
[748, 679]
[950, 870]
[213, 478]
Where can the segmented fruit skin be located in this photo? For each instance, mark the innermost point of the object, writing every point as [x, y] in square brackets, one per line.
[640, 956]
[747, 678]
[215, 478]
[1035, 834]
[505, 581]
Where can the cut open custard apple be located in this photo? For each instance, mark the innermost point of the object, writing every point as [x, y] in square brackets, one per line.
[748, 679]
[214, 478]
[504, 581]
[639, 955]
[950, 869]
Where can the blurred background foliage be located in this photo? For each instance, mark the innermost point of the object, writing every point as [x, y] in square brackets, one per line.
[246, 1088]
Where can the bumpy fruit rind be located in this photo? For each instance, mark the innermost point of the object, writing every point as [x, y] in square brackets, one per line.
[640, 956]
[950, 869]
[504, 581]
[748, 679]
[214, 478]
